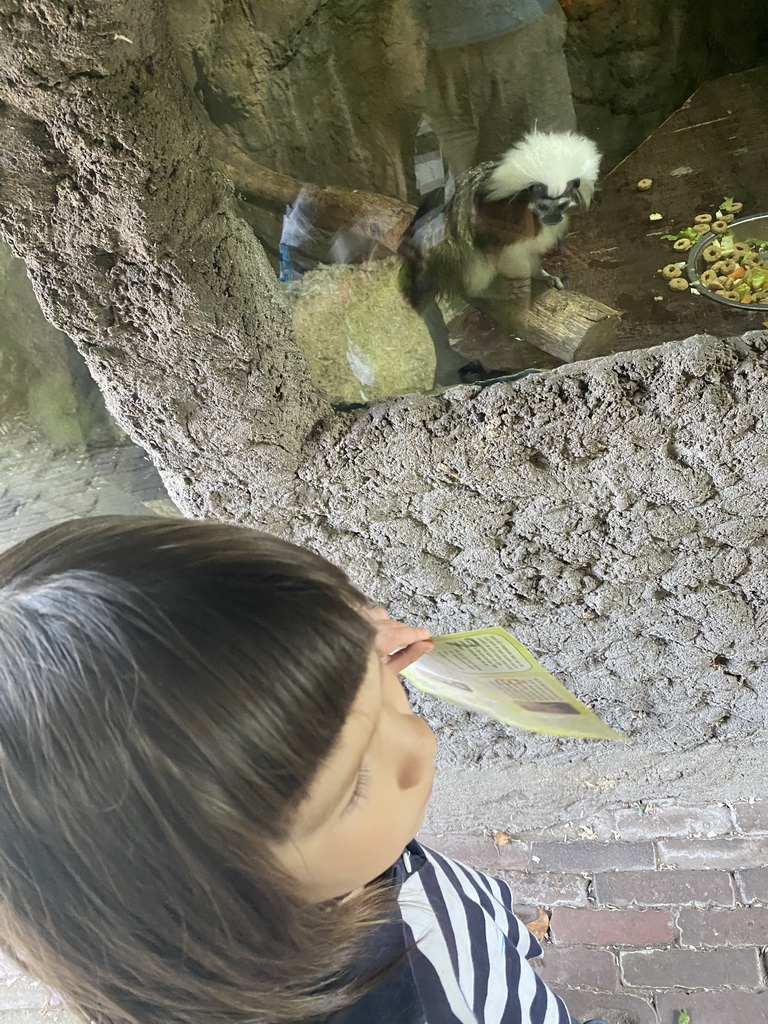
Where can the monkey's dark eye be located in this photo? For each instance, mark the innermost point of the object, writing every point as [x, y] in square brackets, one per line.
[576, 183]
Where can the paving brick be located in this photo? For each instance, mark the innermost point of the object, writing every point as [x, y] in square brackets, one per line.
[577, 967]
[596, 825]
[664, 888]
[547, 888]
[753, 885]
[751, 817]
[672, 822]
[618, 1009]
[590, 857]
[691, 968]
[739, 927]
[613, 927]
[481, 852]
[725, 1007]
[713, 853]
[23, 994]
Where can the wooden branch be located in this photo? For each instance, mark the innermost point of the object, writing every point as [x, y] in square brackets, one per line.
[331, 208]
[570, 325]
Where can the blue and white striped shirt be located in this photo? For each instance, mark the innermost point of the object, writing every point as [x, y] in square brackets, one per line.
[467, 954]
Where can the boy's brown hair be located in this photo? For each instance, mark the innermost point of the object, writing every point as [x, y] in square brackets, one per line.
[168, 690]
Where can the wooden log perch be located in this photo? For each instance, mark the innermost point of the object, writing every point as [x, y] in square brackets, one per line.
[569, 325]
[330, 208]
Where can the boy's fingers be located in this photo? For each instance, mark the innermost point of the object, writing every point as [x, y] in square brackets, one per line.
[392, 635]
[390, 638]
[402, 659]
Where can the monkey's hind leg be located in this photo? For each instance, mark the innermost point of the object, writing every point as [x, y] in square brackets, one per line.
[448, 362]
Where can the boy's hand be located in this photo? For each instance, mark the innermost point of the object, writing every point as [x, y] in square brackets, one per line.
[397, 644]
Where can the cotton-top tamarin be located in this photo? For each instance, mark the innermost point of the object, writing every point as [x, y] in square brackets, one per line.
[500, 219]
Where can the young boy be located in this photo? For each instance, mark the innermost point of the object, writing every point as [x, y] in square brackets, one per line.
[210, 784]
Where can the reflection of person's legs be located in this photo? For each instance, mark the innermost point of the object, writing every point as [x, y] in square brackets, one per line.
[529, 84]
[450, 106]
[482, 97]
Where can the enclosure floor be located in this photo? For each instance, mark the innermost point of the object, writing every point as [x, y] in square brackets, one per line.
[715, 145]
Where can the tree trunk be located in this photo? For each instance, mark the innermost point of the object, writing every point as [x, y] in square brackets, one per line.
[134, 248]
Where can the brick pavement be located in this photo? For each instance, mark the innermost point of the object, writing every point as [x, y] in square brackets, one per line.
[633, 937]
[662, 910]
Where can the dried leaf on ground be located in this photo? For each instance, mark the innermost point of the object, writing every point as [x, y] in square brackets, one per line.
[540, 926]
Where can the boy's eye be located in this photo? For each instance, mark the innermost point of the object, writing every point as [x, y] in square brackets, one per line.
[361, 788]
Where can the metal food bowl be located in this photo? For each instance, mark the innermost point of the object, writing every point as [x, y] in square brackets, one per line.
[747, 227]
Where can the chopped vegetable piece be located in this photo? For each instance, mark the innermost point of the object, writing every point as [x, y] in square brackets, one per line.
[757, 277]
[727, 242]
[644, 184]
[737, 272]
[656, 216]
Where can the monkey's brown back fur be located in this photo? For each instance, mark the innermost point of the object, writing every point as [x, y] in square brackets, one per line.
[503, 222]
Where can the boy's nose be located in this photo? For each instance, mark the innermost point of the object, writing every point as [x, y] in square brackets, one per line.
[418, 760]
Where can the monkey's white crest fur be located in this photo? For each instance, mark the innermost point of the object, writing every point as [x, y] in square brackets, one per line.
[550, 158]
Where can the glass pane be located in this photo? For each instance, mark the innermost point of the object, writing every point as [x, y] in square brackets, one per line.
[61, 453]
[338, 120]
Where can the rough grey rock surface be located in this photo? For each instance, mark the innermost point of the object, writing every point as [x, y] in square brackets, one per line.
[611, 514]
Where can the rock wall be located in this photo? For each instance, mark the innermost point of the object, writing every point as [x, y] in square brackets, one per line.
[324, 90]
[633, 62]
[611, 514]
[330, 91]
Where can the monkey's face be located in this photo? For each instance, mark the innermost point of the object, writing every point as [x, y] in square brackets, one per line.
[551, 210]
